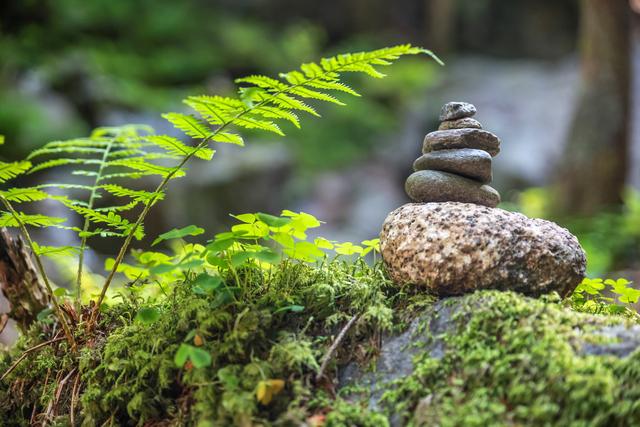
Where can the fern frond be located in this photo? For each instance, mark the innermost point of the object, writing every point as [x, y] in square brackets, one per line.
[34, 220]
[63, 162]
[228, 138]
[11, 170]
[136, 195]
[188, 124]
[71, 149]
[28, 194]
[110, 219]
[177, 148]
[120, 208]
[147, 168]
[52, 251]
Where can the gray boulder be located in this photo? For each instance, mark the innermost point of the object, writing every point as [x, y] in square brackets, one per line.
[456, 248]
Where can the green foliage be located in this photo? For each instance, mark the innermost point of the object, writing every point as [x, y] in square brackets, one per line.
[590, 297]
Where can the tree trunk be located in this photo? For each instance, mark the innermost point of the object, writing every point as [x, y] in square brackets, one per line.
[594, 168]
[19, 282]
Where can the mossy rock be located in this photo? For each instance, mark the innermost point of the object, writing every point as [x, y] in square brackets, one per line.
[489, 358]
[499, 358]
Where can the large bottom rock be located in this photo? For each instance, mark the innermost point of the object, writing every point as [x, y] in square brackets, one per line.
[454, 248]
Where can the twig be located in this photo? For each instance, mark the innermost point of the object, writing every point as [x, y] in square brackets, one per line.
[334, 346]
[74, 398]
[26, 353]
[59, 389]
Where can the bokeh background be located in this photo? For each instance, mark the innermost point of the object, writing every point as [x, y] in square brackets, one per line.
[555, 79]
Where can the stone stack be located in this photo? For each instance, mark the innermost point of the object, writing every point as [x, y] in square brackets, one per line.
[454, 240]
[456, 162]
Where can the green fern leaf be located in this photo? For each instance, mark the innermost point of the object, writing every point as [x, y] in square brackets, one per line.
[35, 220]
[136, 195]
[188, 124]
[19, 195]
[176, 147]
[53, 251]
[71, 149]
[63, 162]
[11, 170]
[277, 113]
[147, 168]
[228, 138]
[314, 94]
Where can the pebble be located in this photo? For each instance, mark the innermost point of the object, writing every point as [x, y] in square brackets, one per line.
[466, 162]
[456, 110]
[464, 123]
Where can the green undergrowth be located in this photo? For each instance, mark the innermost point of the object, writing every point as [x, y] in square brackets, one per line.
[512, 360]
[250, 353]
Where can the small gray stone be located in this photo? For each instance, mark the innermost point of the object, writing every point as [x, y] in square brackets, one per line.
[457, 248]
[468, 162]
[434, 186]
[456, 110]
[465, 123]
[461, 138]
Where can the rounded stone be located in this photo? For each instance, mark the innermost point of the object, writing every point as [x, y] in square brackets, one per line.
[456, 110]
[465, 123]
[435, 186]
[461, 138]
[467, 162]
[457, 248]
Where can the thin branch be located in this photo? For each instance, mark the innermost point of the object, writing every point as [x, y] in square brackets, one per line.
[26, 353]
[87, 223]
[334, 347]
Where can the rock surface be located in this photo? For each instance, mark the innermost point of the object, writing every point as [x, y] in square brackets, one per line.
[556, 333]
[461, 138]
[456, 248]
[467, 162]
[456, 110]
[464, 123]
[434, 186]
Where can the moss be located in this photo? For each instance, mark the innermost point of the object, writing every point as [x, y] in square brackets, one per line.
[508, 359]
[128, 373]
[516, 360]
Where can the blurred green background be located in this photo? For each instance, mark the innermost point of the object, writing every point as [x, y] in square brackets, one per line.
[569, 149]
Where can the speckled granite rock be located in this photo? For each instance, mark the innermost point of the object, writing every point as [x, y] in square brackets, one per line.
[456, 110]
[461, 138]
[466, 162]
[464, 123]
[434, 186]
[455, 248]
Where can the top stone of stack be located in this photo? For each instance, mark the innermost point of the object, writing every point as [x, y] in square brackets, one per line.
[457, 110]
[456, 162]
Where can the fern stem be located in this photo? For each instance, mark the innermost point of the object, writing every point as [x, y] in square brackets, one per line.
[43, 273]
[87, 223]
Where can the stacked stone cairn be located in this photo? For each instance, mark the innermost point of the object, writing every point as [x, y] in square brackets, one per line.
[456, 162]
[454, 240]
